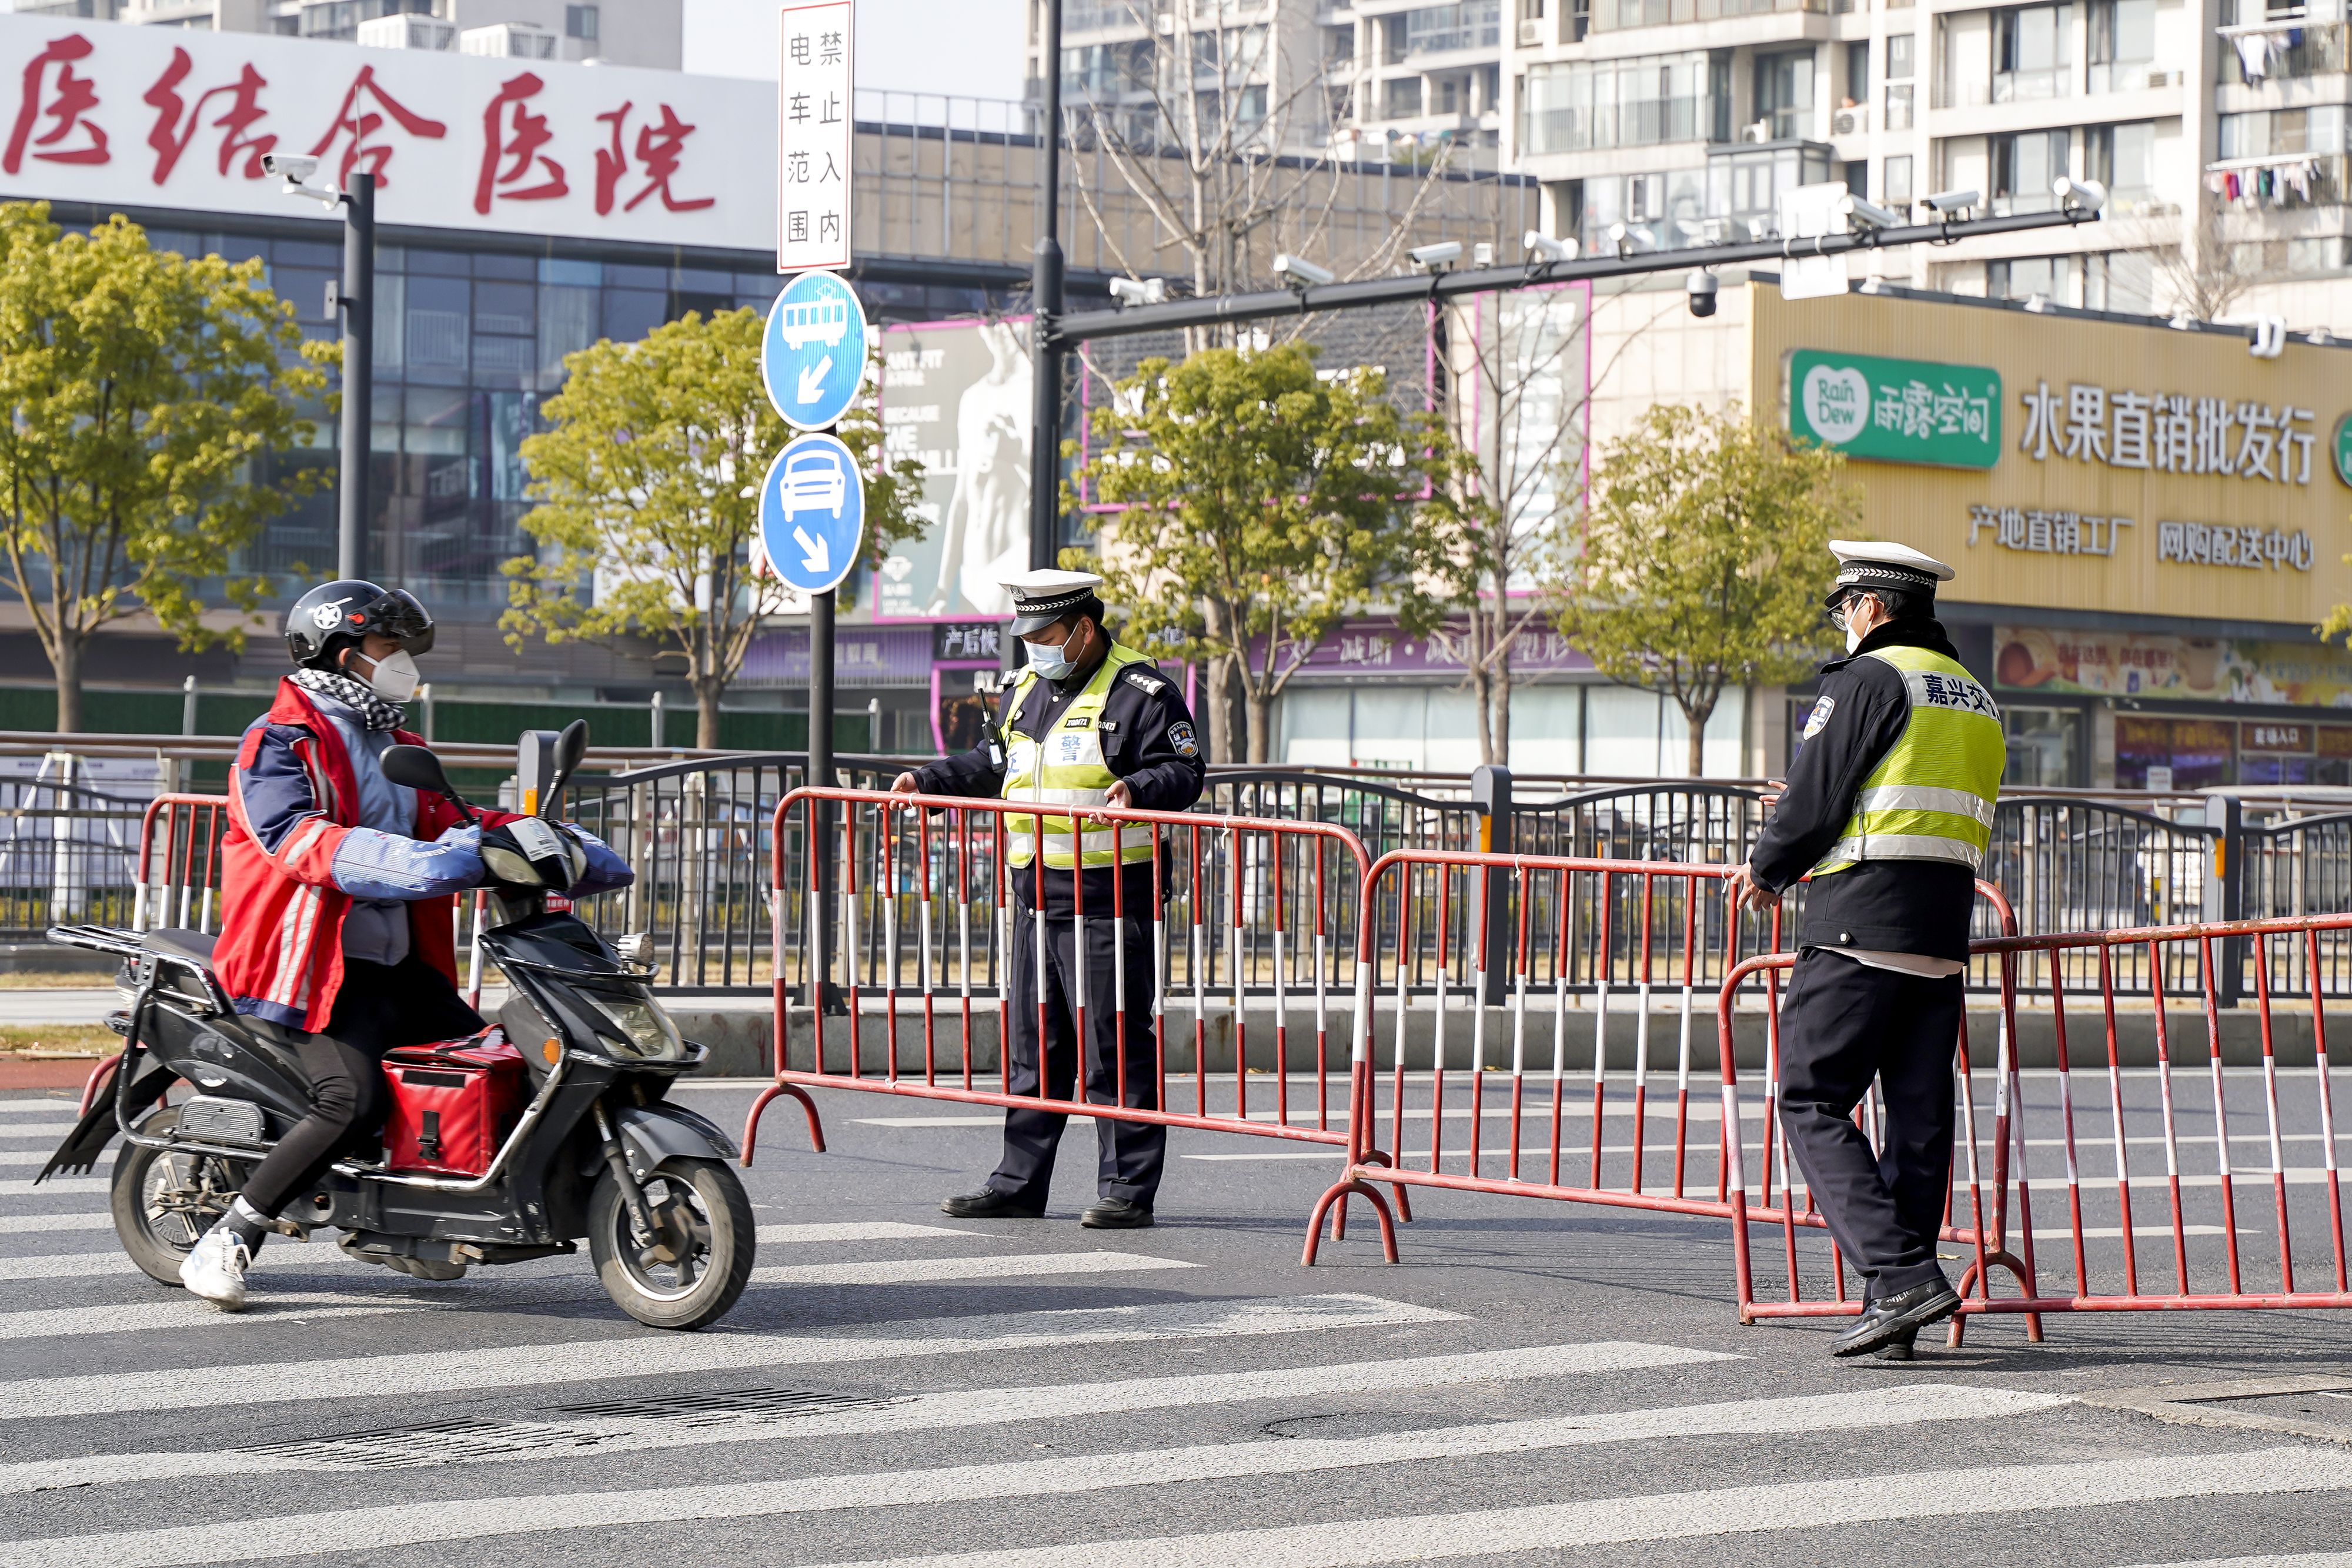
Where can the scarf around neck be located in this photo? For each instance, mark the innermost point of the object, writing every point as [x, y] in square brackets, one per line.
[354, 693]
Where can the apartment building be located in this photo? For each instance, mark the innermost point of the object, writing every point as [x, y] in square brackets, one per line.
[2218, 126]
[646, 32]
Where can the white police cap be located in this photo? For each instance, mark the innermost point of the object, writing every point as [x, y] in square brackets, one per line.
[1878, 563]
[1043, 597]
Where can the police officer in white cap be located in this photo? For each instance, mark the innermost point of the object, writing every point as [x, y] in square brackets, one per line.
[1086, 722]
[1889, 806]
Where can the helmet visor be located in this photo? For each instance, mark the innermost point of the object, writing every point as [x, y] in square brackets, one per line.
[400, 614]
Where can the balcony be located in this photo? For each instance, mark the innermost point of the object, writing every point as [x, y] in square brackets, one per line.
[2279, 52]
[1615, 16]
[2286, 181]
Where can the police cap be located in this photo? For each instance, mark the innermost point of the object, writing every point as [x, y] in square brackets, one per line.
[1876, 563]
[1042, 597]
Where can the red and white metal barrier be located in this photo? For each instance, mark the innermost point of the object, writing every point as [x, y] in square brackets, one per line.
[180, 863]
[2138, 1091]
[893, 944]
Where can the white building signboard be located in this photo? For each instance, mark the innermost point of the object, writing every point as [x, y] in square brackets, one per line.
[813, 137]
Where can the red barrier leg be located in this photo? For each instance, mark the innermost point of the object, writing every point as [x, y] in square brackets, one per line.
[752, 1121]
[1338, 1193]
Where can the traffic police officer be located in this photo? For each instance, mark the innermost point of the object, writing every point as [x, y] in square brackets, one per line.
[1087, 723]
[1889, 806]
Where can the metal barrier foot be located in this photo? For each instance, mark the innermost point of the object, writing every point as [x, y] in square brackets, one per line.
[1959, 1331]
[1339, 1193]
[808, 1106]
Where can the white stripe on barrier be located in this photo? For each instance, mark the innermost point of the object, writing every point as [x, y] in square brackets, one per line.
[918, 1413]
[602, 1359]
[349, 1531]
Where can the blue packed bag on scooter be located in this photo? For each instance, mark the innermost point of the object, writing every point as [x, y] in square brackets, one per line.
[453, 1104]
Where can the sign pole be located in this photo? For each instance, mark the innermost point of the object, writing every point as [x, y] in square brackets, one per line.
[820, 773]
[358, 301]
[1045, 299]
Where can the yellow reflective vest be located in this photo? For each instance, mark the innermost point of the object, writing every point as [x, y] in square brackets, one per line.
[1065, 768]
[1931, 796]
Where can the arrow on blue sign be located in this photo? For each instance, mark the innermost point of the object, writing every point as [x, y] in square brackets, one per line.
[813, 356]
[812, 514]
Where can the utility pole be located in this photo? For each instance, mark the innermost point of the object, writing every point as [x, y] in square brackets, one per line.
[358, 301]
[1046, 298]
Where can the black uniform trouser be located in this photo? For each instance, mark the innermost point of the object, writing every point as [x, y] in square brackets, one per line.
[1130, 1151]
[380, 1008]
[1841, 1024]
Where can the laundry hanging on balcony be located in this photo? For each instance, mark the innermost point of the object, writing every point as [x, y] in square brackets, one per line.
[2272, 185]
[2256, 51]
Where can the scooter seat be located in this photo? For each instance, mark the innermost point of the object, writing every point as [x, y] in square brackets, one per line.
[196, 944]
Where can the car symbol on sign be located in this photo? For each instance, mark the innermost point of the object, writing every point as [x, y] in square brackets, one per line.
[813, 482]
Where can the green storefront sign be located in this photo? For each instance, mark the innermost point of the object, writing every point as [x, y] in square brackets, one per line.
[1896, 411]
[2344, 449]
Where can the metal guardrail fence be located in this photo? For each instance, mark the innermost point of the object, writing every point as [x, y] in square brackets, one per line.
[698, 829]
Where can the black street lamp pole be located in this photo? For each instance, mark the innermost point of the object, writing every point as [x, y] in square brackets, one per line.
[357, 299]
[1046, 298]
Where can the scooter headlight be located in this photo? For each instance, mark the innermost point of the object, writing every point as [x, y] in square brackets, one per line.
[639, 1027]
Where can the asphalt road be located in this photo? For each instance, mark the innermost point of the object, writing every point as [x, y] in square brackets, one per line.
[1532, 1384]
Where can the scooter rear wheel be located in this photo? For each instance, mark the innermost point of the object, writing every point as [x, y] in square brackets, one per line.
[701, 1257]
[162, 1201]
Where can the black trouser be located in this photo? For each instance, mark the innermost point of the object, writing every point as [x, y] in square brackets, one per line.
[1130, 1152]
[380, 1008]
[1841, 1024]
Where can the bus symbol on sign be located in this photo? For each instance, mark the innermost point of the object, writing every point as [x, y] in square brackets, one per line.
[824, 321]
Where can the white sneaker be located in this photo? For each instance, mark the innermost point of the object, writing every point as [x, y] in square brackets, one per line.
[215, 1269]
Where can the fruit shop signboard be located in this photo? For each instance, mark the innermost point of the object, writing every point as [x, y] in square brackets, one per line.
[1896, 411]
[2185, 669]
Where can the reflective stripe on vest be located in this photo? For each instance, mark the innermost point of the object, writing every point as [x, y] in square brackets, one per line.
[1065, 768]
[1931, 797]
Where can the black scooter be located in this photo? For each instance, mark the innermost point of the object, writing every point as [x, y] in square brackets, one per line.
[597, 1151]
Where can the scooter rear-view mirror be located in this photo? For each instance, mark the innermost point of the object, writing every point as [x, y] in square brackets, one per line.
[420, 770]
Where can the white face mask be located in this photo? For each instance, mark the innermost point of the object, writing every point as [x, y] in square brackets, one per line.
[1852, 640]
[393, 679]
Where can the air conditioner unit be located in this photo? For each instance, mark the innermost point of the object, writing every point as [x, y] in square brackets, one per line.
[2164, 79]
[407, 32]
[1850, 122]
[1530, 32]
[509, 40]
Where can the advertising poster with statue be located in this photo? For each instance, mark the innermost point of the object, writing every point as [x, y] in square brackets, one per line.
[956, 400]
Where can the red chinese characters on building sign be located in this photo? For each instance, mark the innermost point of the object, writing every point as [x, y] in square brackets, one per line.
[65, 99]
[657, 159]
[177, 121]
[359, 123]
[512, 136]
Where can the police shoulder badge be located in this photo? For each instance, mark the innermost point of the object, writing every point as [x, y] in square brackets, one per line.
[1818, 717]
[1180, 736]
[1150, 685]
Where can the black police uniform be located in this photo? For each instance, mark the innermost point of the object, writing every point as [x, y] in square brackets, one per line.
[1844, 1021]
[1148, 740]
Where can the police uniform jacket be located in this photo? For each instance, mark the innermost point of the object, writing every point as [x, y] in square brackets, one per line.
[1148, 739]
[1887, 905]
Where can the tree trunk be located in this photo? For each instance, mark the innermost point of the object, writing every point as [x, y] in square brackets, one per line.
[67, 666]
[1697, 718]
[1216, 713]
[707, 690]
[1260, 725]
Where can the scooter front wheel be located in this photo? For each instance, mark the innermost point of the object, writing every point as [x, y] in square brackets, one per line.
[700, 1256]
[164, 1199]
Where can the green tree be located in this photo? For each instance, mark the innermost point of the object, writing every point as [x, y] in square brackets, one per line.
[142, 390]
[649, 491]
[1254, 507]
[1703, 561]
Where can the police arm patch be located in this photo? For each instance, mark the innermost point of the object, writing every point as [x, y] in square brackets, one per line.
[1181, 736]
[1815, 720]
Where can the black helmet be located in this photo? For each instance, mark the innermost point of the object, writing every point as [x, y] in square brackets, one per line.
[335, 615]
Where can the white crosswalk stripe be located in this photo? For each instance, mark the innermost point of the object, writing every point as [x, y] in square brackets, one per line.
[916, 1413]
[58, 1185]
[11, 1224]
[358, 1529]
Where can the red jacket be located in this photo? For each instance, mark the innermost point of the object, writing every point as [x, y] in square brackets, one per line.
[280, 952]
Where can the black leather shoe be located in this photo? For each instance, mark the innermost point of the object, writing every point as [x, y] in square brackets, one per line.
[1897, 1317]
[1116, 1213]
[1899, 1348]
[990, 1203]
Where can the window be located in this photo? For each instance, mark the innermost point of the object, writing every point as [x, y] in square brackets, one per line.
[2051, 276]
[2123, 43]
[1453, 94]
[1857, 178]
[1899, 47]
[1784, 93]
[2317, 131]
[1439, 29]
[1857, 75]
[2044, 745]
[1573, 105]
[2031, 54]
[2120, 280]
[1900, 105]
[1896, 181]
[1340, 43]
[1400, 98]
[580, 21]
[2024, 167]
[2123, 159]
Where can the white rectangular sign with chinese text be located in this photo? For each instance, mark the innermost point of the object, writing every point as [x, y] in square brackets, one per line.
[151, 118]
[813, 137]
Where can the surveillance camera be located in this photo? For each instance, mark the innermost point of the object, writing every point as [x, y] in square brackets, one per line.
[1481, 254]
[288, 166]
[1951, 201]
[1436, 257]
[1626, 241]
[1700, 287]
[1862, 214]
[1301, 273]
[2079, 195]
[1139, 291]
[1550, 249]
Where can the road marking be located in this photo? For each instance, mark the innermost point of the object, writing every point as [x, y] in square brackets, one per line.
[1669, 1516]
[55, 1184]
[36, 1129]
[345, 1532]
[919, 1412]
[96, 1221]
[2299, 1560]
[184, 1312]
[2115, 1232]
[33, 1107]
[926, 1270]
[620, 1360]
[870, 1230]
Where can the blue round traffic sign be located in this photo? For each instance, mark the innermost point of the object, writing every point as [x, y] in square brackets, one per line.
[813, 356]
[813, 513]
